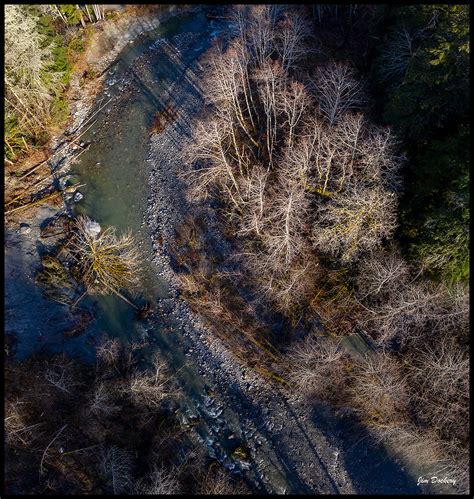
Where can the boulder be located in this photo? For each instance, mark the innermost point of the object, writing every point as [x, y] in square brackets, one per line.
[77, 197]
[24, 229]
[93, 228]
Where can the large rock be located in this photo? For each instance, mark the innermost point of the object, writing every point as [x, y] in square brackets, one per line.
[24, 229]
[93, 228]
[77, 197]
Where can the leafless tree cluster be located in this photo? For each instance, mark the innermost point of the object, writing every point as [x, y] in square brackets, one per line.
[317, 368]
[27, 96]
[72, 427]
[379, 390]
[149, 388]
[399, 307]
[301, 174]
[428, 324]
[159, 482]
[439, 376]
[298, 169]
[417, 401]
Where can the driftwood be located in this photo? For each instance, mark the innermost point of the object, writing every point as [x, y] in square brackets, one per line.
[57, 152]
[70, 188]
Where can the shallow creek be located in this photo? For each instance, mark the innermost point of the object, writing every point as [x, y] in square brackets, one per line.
[114, 170]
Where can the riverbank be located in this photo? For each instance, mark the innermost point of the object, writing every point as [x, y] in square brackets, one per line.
[292, 449]
[46, 325]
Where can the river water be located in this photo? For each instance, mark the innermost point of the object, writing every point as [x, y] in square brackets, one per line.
[114, 170]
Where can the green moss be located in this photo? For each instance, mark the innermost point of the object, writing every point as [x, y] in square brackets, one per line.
[71, 13]
[75, 47]
[242, 453]
[59, 110]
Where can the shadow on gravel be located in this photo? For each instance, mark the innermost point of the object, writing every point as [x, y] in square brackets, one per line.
[286, 465]
[370, 468]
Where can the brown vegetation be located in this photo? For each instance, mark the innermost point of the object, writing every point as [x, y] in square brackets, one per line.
[108, 428]
[299, 172]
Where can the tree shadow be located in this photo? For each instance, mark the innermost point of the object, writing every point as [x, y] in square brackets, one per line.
[371, 469]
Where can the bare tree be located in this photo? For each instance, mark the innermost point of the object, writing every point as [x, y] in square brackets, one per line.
[354, 221]
[292, 286]
[102, 403]
[60, 375]
[380, 162]
[151, 388]
[396, 55]
[109, 351]
[318, 368]
[285, 221]
[456, 316]
[337, 90]
[255, 26]
[116, 466]
[254, 194]
[269, 78]
[160, 481]
[381, 273]
[291, 33]
[293, 100]
[212, 146]
[104, 262]
[379, 390]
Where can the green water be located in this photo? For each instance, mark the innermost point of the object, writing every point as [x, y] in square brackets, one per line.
[114, 168]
